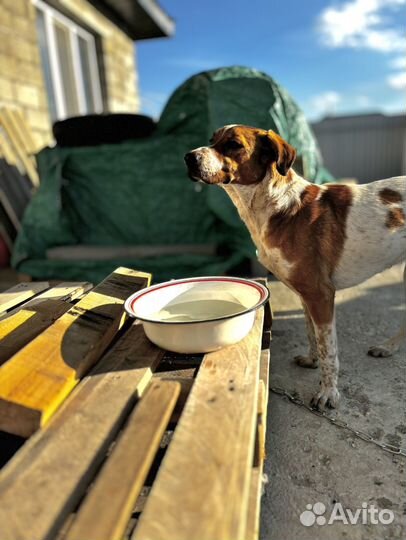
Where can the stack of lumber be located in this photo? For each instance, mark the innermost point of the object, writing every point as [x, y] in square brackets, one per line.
[18, 174]
[120, 439]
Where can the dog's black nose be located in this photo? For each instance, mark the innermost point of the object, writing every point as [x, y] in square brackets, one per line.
[190, 159]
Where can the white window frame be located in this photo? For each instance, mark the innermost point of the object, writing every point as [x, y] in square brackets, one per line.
[75, 31]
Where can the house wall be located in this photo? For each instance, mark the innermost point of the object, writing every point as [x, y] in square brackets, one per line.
[21, 78]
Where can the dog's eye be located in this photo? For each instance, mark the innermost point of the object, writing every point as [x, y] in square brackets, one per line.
[232, 145]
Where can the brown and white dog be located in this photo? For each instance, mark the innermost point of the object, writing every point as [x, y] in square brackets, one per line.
[316, 239]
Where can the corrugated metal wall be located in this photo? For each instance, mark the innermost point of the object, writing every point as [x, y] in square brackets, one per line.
[366, 147]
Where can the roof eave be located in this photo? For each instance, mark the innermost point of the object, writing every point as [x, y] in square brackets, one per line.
[139, 19]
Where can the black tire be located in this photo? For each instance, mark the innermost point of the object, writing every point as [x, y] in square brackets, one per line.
[95, 129]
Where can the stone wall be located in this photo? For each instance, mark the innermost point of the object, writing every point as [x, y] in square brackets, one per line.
[21, 77]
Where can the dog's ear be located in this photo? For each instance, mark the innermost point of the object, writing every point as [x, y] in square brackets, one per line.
[279, 151]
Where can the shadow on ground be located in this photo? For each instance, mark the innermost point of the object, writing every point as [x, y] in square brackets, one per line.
[308, 459]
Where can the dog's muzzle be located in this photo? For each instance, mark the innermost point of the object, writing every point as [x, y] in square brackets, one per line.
[192, 163]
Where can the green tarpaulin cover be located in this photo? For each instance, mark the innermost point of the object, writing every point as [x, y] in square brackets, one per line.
[138, 193]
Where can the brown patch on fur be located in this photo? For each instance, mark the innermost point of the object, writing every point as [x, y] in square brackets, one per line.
[309, 194]
[239, 150]
[395, 218]
[312, 237]
[285, 153]
[247, 153]
[390, 196]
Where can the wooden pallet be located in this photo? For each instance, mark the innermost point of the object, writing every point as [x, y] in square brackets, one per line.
[18, 171]
[125, 440]
[17, 145]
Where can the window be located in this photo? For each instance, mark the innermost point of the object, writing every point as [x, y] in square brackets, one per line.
[68, 55]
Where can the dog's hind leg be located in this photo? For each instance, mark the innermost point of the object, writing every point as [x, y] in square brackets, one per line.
[389, 347]
[311, 360]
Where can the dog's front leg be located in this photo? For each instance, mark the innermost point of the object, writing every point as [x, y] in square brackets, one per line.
[311, 360]
[321, 310]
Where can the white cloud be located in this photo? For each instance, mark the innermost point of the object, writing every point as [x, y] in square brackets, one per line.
[324, 103]
[395, 106]
[399, 62]
[360, 24]
[397, 80]
[332, 103]
[363, 102]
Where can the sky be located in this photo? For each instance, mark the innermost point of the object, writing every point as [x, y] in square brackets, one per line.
[335, 57]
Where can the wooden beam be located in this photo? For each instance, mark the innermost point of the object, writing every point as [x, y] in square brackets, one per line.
[255, 493]
[254, 505]
[186, 384]
[25, 132]
[10, 211]
[7, 120]
[202, 488]
[266, 334]
[20, 293]
[6, 150]
[103, 516]
[37, 379]
[43, 484]
[23, 324]
[105, 253]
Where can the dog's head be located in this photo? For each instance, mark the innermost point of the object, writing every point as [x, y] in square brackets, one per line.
[240, 154]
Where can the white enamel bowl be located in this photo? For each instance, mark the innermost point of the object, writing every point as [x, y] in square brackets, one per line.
[197, 315]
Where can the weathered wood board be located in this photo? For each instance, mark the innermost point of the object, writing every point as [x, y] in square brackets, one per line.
[23, 324]
[37, 379]
[11, 123]
[202, 488]
[19, 294]
[107, 509]
[254, 505]
[79, 476]
[59, 462]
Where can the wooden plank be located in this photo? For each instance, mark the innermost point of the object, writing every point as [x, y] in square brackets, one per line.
[186, 384]
[18, 132]
[25, 133]
[37, 379]
[19, 294]
[105, 253]
[101, 516]
[202, 488]
[254, 505]
[50, 474]
[15, 187]
[8, 122]
[7, 151]
[268, 315]
[9, 210]
[4, 234]
[266, 334]
[21, 325]
[262, 402]
[264, 376]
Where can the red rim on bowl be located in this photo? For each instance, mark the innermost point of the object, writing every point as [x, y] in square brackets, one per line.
[131, 300]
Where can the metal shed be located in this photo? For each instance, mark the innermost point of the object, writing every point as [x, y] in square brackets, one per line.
[365, 147]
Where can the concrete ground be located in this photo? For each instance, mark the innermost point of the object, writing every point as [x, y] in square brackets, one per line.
[312, 461]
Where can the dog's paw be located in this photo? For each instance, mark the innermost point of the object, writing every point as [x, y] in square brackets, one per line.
[306, 361]
[328, 397]
[379, 351]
